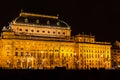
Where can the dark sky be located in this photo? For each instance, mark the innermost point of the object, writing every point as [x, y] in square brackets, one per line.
[101, 18]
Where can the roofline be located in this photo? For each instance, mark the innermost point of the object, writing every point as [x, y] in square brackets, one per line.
[37, 15]
[42, 26]
[95, 43]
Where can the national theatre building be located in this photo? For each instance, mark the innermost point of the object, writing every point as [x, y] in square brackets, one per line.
[44, 42]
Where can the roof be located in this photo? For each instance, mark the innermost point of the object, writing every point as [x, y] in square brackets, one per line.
[38, 19]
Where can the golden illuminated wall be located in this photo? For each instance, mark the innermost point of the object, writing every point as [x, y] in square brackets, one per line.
[93, 54]
[19, 53]
[24, 52]
[41, 31]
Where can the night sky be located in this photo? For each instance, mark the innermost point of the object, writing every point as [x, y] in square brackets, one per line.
[102, 18]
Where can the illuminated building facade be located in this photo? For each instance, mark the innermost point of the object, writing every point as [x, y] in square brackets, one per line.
[92, 54]
[41, 41]
[115, 54]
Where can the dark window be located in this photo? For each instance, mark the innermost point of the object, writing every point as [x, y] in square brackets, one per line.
[58, 55]
[46, 55]
[58, 32]
[53, 32]
[34, 54]
[43, 31]
[43, 55]
[32, 30]
[20, 29]
[98, 55]
[26, 30]
[21, 48]
[16, 53]
[37, 30]
[63, 32]
[21, 53]
[118, 51]
[48, 31]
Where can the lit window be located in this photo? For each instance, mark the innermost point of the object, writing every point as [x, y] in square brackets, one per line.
[26, 20]
[98, 55]
[48, 22]
[37, 21]
[58, 23]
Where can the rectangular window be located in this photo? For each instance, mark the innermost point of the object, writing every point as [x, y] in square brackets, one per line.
[46, 55]
[34, 55]
[89, 55]
[98, 55]
[92, 56]
[16, 53]
[21, 53]
[58, 55]
[95, 55]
